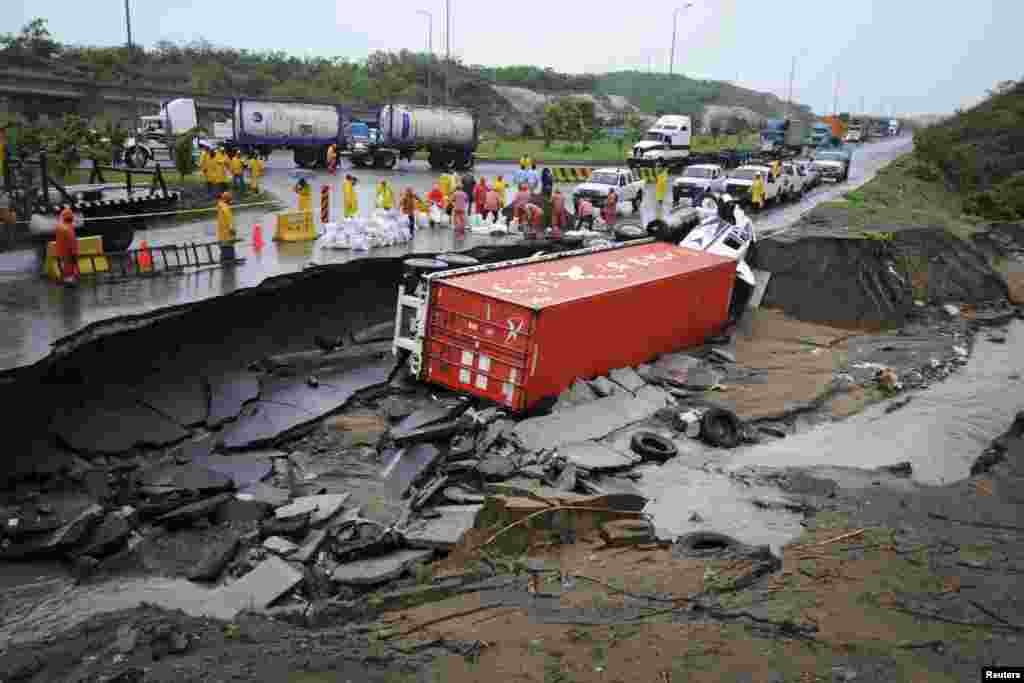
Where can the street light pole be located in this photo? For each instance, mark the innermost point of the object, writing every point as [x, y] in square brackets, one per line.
[447, 49]
[430, 53]
[789, 102]
[128, 23]
[672, 52]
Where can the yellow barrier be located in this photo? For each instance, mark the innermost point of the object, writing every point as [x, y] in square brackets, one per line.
[295, 226]
[571, 174]
[86, 246]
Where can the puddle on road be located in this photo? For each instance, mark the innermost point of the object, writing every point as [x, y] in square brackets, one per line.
[940, 432]
[677, 491]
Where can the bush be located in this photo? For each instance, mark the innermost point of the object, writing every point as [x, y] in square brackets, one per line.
[1005, 202]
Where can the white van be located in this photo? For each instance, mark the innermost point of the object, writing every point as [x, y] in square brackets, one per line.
[668, 141]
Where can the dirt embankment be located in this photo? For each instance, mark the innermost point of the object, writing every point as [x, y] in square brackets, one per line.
[823, 272]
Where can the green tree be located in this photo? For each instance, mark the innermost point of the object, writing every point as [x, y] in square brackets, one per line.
[33, 41]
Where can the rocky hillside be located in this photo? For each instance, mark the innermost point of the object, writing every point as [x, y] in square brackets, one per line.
[509, 99]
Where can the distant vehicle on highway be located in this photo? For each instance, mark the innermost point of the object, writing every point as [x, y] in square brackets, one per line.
[627, 183]
[695, 182]
[667, 141]
[821, 133]
[854, 134]
[894, 127]
[783, 135]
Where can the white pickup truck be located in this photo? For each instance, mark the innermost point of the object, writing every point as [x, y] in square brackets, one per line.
[695, 182]
[797, 180]
[741, 180]
[628, 185]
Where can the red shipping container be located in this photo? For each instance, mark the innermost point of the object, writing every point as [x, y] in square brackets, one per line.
[521, 333]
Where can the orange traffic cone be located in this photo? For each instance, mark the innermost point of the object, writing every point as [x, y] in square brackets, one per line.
[257, 237]
[145, 258]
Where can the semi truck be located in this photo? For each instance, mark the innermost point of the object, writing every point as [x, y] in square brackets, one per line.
[666, 142]
[257, 126]
[783, 135]
[450, 137]
[894, 127]
[821, 133]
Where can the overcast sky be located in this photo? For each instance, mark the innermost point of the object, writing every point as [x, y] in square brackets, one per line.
[902, 56]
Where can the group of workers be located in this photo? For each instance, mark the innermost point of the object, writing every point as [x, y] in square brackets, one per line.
[221, 165]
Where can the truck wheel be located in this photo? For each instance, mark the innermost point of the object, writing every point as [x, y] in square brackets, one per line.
[385, 161]
[137, 157]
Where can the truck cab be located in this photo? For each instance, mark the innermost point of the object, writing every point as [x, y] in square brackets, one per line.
[854, 134]
[667, 141]
[627, 183]
[832, 164]
[155, 134]
[821, 133]
[796, 178]
[696, 181]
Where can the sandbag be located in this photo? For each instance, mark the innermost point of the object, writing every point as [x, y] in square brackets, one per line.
[436, 214]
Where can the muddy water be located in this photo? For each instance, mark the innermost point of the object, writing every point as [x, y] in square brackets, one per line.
[940, 432]
[43, 605]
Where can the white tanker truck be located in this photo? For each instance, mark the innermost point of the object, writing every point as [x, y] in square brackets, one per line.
[448, 135]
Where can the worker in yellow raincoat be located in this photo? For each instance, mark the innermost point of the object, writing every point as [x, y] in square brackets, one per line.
[661, 184]
[385, 197]
[237, 166]
[499, 187]
[349, 196]
[445, 181]
[226, 234]
[221, 170]
[256, 169]
[204, 168]
[757, 192]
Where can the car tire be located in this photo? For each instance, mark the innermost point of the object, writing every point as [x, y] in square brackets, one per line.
[137, 157]
[721, 428]
[652, 446]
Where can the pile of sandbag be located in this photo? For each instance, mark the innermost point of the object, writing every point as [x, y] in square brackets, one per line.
[383, 229]
[488, 226]
[439, 217]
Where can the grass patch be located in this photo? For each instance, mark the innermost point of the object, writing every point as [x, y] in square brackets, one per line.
[905, 193]
[976, 552]
[602, 150]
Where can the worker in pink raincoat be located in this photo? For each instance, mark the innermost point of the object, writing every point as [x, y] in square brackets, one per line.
[611, 209]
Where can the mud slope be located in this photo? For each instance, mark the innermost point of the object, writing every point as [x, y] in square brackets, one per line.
[826, 275]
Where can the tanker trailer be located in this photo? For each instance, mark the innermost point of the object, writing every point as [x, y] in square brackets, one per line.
[448, 135]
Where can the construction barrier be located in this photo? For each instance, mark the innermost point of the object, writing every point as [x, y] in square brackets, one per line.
[295, 226]
[90, 250]
[571, 174]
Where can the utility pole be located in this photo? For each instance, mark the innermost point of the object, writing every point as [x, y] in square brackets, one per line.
[128, 23]
[447, 50]
[792, 74]
[430, 53]
[835, 98]
[672, 52]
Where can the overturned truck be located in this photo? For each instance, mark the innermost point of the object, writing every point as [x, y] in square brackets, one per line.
[517, 332]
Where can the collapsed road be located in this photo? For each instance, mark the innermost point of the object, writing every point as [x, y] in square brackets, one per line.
[210, 446]
[39, 315]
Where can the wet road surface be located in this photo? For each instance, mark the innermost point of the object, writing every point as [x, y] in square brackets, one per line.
[38, 312]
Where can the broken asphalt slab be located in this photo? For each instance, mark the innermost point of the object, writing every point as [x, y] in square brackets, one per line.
[685, 371]
[288, 403]
[114, 424]
[244, 469]
[190, 477]
[186, 400]
[447, 410]
[376, 570]
[627, 378]
[407, 465]
[228, 393]
[258, 589]
[444, 532]
[321, 508]
[593, 420]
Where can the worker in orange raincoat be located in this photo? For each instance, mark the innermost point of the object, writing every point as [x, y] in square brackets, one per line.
[226, 234]
[407, 204]
[332, 159]
[66, 247]
[557, 213]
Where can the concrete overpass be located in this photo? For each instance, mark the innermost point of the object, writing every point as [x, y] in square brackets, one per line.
[40, 97]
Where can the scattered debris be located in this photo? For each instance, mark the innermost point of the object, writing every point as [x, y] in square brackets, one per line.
[653, 446]
[626, 532]
[496, 468]
[321, 508]
[280, 546]
[689, 423]
[406, 466]
[951, 310]
[258, 589]
[594, 456]
[627, 378]
[720, 427]
[589, 421]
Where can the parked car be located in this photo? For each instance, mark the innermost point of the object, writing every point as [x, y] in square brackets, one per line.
[741, 180]
[796, 181]
[832, 165]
